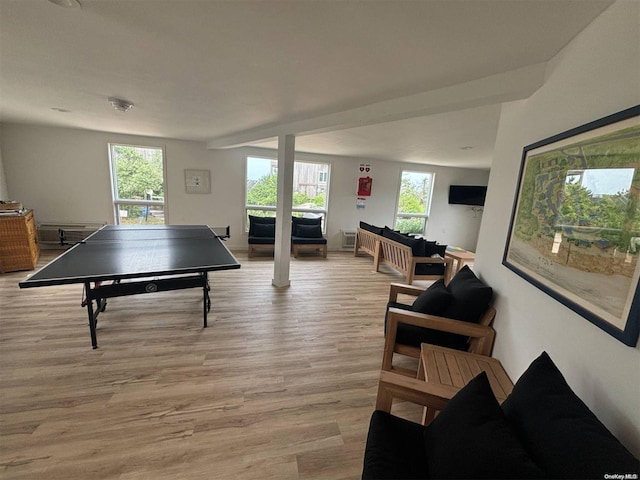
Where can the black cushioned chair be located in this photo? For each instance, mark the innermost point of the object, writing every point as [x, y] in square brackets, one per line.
[262, 233]
[306, 234]
[457, 315]
[542, 430]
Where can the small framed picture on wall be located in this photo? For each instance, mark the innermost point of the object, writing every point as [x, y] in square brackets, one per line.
[197, 181]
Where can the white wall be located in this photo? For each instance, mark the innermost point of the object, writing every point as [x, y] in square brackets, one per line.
[63, 174]
[4, 191]
[597, 74]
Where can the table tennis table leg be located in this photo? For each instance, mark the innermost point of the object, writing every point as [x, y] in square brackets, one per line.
[206, 301]
[92, 317]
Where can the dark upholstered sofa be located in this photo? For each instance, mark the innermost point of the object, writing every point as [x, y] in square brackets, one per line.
[416, 258]
[542, 430]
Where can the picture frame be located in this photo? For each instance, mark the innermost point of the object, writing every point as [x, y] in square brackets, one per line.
[575, 224]
[197, 181]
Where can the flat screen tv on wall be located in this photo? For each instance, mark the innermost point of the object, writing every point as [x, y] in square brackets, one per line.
[467, 194]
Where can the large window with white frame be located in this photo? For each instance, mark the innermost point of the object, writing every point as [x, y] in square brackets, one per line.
[414, 201]
[310, 188]
[138, 185]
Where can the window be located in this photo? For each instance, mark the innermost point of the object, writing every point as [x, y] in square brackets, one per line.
[310, 188]
[413, 202]
[137, 178]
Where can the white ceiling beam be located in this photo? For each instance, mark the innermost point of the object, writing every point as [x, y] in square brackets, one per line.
[503, 87]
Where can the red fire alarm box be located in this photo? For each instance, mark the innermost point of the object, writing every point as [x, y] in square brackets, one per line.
[364, 186]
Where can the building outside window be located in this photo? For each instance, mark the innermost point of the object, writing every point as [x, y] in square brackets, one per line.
[138, 188]
[414, 202]
[310, 188]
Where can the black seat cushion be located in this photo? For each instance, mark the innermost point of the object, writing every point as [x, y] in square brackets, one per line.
[394, 449]
[471, 297]
[560, 432]
[308, 241]
[430, 249]
[470, 438]
[261, 240]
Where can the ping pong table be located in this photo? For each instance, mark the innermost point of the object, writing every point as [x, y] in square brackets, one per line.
[137, 260]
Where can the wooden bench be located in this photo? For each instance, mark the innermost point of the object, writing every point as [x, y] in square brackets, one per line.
[397, 256]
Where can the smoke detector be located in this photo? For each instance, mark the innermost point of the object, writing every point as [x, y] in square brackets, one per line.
[120, 104]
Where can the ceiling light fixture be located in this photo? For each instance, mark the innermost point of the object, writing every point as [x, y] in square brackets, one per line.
[120, 104]
[67, 3]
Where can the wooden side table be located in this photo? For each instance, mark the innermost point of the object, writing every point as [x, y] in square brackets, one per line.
[461, 257]
[446, 371]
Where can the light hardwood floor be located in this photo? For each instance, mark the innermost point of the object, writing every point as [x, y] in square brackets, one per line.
[281, 384]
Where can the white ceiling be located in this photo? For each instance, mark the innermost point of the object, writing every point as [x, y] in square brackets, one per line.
[371, 79]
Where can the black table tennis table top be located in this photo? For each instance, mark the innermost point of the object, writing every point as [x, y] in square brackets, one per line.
[117, 252]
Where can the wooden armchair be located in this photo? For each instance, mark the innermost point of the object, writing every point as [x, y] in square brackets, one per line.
[480, 335]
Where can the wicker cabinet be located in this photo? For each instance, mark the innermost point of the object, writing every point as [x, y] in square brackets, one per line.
[19, 249]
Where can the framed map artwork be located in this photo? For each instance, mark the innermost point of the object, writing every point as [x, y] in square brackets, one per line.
[575, 224]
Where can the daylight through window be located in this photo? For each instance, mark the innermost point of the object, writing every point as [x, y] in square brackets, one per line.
[414, 202]
[310, 188]
[137, 177]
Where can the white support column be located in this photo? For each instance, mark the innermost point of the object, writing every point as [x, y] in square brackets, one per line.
[282, 247]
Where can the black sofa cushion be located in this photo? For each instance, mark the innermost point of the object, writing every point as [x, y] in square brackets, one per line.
[264, 230]
[296, 221]
[394, 448]
[471, 438]
[434, 300]
[471, 297]
[416, 244]
[371, 228]
[559, 431]
[309, 231]
[438, 300]
[253, 221]
[414, 336]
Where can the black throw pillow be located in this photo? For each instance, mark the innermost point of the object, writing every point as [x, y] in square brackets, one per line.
[371, 228]
[253, 221]
[264, 230]
[309, 231]
[470, 438]
[417, 244]
[298, 221]
[471, 297]
[434, 300]
[559, 431]
[432, 248]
